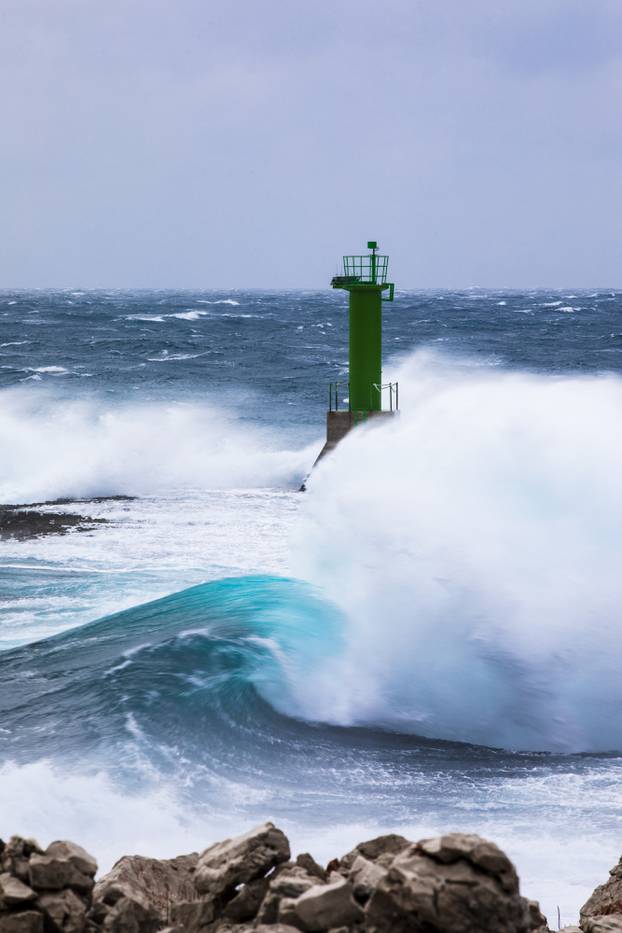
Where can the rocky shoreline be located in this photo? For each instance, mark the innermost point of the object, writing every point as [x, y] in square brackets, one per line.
[456, 883]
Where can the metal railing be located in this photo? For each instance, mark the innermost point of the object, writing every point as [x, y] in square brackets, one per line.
[371, 269]
[376, 394]
[334, 397]
[339, 396]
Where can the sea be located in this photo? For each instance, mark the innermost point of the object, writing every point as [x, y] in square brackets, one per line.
[427, 639]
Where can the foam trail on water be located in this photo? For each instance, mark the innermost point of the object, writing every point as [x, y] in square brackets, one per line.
[473, 544]
[55, 447]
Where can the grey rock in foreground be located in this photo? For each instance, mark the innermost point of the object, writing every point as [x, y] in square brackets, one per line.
[602, 912]
[456, 883]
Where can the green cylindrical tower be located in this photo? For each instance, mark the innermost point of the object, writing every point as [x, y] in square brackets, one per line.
[365, 279]
[361, 398]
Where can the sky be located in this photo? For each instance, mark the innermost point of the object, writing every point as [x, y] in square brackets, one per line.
[250, 143]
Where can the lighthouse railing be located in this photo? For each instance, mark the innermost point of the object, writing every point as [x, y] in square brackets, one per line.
[379, 391]
[339, 394]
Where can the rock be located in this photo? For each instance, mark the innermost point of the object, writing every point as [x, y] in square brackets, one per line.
[603, 924]
[606, 899]
[193, 916]
[306, 861]
[14, 856]
[131, 916]
[47, 873]
[537, 920]
[13, 892]
[365, 876]
[382, 849]
[455, 884]
[275, 928]
[27, 921]
[287, 883]
[247, 901]
[155, 883]
[75, 854]
[327, 905]
[236, 861]
[64, 910]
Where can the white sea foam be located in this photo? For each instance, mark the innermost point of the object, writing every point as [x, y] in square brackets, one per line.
[167, 357]
[221, 301]
[55, 448]
[145, 317]
[191, 315]
[474, 545]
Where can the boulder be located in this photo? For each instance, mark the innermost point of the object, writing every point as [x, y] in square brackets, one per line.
[605, 901]
[193, 916]
[48, 873]
[454, 884]
[537, 919]
[365, 877]
[236, 861]
[14, 856]
[64, 911]
[306, 861]
[158, 884]
[603, 924]
[27, 921]
[325, 906]
[130, 916]
[247, 901]
[382, 849]
[286, 884]
[70, 852]
[13, 892]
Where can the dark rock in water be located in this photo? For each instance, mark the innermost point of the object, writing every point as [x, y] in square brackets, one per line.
[227, 864]
[24, 523]
[605, 905]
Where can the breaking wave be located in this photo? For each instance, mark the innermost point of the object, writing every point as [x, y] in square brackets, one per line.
[473, 547]
[65, 447]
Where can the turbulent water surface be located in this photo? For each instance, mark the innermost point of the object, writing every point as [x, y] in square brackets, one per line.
[428, 639]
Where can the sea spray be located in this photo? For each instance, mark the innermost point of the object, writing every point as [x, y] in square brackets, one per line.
[57, 446]
[473, 545]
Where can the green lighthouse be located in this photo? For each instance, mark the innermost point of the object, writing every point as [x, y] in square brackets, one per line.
[365, 280]
[364, 395]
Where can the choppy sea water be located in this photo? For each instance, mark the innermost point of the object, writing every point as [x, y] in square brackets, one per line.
[427, 639]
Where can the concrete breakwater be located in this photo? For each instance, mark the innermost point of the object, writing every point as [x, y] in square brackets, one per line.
[456, 883]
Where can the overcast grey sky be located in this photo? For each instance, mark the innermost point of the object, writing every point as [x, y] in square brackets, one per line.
[240, 143]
